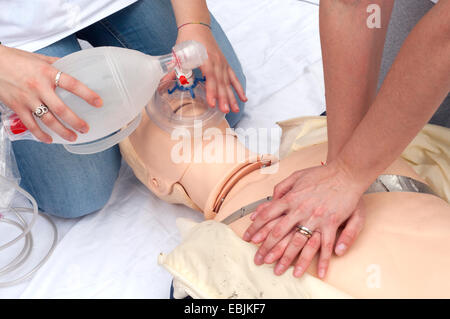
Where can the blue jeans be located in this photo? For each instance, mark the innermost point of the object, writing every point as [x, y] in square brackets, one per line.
[69, 185]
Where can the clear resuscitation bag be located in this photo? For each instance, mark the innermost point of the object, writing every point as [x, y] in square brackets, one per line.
[8, 166]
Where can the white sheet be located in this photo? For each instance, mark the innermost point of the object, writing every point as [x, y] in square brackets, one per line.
[113, 253]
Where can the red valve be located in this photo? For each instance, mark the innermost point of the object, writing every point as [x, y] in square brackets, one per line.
[183, 80]
[17, 127]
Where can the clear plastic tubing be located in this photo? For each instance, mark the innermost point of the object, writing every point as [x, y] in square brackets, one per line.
[23, 255]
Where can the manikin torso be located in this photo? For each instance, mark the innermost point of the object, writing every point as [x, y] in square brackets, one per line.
[403, 250]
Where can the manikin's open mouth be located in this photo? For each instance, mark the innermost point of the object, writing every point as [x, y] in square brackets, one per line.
[183, 105]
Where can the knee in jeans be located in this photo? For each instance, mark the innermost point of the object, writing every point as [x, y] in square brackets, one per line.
[77, 206]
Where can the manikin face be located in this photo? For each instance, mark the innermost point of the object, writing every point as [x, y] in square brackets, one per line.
[182, 140]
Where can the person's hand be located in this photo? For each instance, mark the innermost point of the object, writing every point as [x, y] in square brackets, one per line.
[220, 77]
[27, 80]
[320, 198]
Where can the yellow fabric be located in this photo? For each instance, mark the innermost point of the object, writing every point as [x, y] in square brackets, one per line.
[428, 153]
[213, 262]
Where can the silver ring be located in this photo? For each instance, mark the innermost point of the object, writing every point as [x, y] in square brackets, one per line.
[58, 76]
[41, 110]
[304, 231]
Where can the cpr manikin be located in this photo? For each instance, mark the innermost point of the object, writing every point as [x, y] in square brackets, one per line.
[405, 243]
[177, 160]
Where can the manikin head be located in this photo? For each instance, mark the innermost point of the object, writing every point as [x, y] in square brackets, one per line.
[184, 151]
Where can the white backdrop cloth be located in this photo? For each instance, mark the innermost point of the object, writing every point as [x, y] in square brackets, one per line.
[113, 253]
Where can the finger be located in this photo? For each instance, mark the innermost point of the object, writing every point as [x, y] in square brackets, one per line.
[263, 254]
[74, 86]
[327, 242]
[351, 231]
[279, 231]
[263, 232]
[55, 125]
[30, 123]
[237, 85]
[210, 84]
[286, 224]
[168, 77]
[222, 91]
[259, 209]
[306, 256]
[271, 212]
[284, 186]
[57, 106]
[232, 100]
[292, 250]
[279, 249]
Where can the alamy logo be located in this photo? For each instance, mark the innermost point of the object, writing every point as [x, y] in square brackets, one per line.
[374, 18]
[373, 280]
[212, 145]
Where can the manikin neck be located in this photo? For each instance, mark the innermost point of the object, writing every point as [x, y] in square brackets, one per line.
[207, 184]
[200, 182]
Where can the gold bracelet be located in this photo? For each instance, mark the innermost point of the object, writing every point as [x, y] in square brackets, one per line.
[202, 23]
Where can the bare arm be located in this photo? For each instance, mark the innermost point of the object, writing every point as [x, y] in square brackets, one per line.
[352, 55]
[322, 198]
[220, 78]
[192, 10]
[416, 85]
